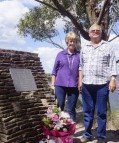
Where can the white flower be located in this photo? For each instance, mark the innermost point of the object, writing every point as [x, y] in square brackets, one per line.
[51, 141]
[59, 124]
[41, 142]
[64, 115]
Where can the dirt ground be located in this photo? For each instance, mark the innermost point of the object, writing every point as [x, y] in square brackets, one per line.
[112, 133]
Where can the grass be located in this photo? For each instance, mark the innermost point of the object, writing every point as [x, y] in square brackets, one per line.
[115, 118]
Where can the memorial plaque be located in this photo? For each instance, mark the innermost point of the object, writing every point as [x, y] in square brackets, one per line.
[23, 79]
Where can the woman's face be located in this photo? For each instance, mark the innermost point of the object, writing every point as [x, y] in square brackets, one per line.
[72, 43]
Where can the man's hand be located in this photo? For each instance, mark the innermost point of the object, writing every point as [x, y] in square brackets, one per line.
[80, 81]
[80, 87]
[112, 85]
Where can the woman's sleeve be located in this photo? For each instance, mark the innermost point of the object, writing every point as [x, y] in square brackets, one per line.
[56, 65]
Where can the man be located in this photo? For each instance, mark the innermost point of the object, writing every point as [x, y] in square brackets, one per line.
[98, 75]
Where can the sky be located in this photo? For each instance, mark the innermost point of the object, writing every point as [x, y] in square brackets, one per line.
[10, 13]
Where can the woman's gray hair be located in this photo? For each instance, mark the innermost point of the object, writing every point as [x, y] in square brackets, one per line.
[70, 36]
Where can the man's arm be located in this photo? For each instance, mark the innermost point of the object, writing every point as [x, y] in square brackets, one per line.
[80, 73]
[112, 83]
[113, 71]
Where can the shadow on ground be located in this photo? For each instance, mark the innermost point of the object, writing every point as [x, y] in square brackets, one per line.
[112, 136]
[112, 133]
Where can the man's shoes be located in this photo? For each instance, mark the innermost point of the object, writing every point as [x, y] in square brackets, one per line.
[102, 140]
[84, 139]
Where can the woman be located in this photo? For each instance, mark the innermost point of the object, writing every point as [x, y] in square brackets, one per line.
[65, 75]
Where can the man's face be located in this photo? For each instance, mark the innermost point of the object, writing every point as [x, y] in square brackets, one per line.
[95, 32]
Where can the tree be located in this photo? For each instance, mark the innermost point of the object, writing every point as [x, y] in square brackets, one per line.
[78, 15]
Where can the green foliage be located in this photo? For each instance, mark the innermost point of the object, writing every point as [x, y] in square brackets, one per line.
[82, 15]
[115, 118]
[56, 110]
[39, 23]
[66, 3]
[45, 121]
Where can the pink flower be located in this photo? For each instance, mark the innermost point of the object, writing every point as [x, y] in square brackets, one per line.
[49, 111]
[65, 130]
[55, 118]
[68, 121]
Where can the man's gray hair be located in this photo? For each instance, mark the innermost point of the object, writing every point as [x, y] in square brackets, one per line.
[97, 25]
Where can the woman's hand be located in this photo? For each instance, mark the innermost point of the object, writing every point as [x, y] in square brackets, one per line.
[53, 84]
[53, 89]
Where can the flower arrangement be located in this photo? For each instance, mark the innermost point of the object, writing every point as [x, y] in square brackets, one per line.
[57, 123]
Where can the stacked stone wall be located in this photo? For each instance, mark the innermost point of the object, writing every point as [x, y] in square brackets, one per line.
[21, 112]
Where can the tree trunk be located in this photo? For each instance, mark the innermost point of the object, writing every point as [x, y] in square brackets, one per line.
[90, 11]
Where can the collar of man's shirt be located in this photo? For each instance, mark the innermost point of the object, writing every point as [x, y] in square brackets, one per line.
[99, 44]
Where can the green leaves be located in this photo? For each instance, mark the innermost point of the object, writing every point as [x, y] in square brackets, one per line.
[39, 23]
[66, 3]
[45, 121]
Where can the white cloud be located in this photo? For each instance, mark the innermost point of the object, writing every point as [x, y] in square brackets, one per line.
[59, 24]
[10, 13]
[29, 2]
[47, 56]
[115, 44]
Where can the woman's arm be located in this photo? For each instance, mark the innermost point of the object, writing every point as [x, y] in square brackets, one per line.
[53, 82]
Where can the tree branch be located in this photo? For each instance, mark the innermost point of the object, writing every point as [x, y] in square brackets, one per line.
[58, 7]
[102, 12]
[65, 12]
[113, 38]
[111, 26]
[55, 44]
[49, 40]
[48, 5]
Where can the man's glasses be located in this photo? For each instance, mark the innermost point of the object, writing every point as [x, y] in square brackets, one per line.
[95, 31]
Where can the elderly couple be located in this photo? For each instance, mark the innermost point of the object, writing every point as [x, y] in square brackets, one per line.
[93, 72]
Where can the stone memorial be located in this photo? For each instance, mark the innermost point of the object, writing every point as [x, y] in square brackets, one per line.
[22, 107]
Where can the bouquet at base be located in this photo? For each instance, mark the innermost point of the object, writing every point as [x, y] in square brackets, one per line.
[58, 126]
